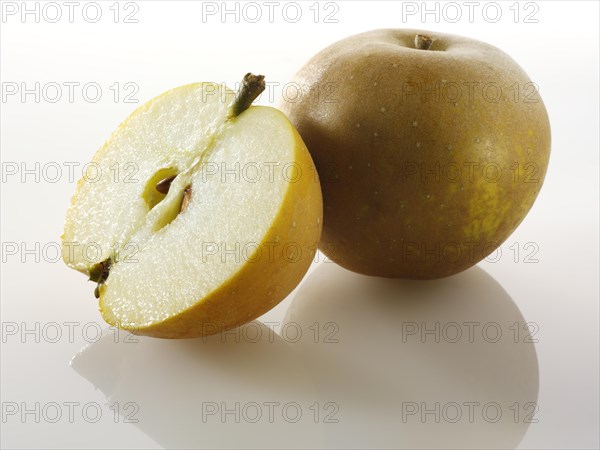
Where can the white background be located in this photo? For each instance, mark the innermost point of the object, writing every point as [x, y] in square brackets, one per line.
[171, 44]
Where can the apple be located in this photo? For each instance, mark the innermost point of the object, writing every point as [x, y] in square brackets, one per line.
[201, 213]
[431, 149]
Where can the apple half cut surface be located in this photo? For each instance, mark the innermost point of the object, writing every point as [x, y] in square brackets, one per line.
[199, 214]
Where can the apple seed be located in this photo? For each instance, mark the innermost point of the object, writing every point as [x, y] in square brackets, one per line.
[187, 195]
[163, 185]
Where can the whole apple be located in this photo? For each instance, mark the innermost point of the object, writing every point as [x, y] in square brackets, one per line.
[431, 149]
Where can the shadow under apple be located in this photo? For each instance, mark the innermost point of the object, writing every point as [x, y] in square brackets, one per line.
[361, 362]
[242, 389]
[446, 363]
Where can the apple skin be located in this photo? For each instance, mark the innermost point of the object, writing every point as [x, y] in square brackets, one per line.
[370, 117]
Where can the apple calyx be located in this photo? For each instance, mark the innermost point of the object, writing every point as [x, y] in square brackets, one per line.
[99, 273]
[423, 42]
[252, 86]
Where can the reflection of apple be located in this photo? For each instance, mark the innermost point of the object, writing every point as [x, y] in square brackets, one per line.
[214, 222]
[388, 351]
[241, 389]
[431, 152]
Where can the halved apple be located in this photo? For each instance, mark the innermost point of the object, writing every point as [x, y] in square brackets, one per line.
[201, 213]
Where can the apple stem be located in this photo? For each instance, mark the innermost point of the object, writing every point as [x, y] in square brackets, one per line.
[252, 86]
[423, 42]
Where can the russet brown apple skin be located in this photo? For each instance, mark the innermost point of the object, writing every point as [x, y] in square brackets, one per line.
[418, 182]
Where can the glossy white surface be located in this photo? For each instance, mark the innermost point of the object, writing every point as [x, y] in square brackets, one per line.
[152, 394]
